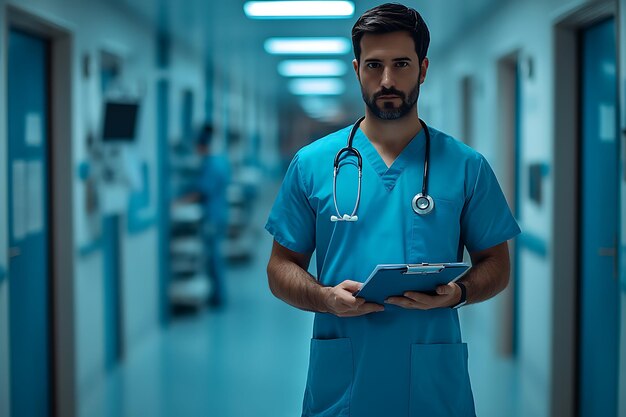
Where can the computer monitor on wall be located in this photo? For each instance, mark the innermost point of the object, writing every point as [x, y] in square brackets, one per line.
[120, 121]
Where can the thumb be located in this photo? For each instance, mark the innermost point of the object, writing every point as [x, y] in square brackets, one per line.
[351, 285]
[444, 290]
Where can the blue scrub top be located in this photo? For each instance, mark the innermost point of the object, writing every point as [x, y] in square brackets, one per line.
[398, 362]
[213, 184]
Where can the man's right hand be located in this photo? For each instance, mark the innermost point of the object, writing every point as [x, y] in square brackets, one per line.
[340, 301]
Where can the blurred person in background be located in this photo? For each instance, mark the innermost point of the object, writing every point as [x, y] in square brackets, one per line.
[405, 358]
[210, 190]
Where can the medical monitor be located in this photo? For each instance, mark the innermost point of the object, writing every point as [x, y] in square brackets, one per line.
[120, 121]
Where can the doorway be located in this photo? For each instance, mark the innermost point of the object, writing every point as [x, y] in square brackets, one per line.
[598, 286]
[40, 173]
[509, 129]
[29, 162]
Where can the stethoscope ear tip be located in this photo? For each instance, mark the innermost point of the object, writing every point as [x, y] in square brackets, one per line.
[344, 218]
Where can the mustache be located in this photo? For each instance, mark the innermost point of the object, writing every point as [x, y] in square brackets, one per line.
[389, 92]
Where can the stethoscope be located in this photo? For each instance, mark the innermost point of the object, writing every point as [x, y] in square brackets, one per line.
[422, 203]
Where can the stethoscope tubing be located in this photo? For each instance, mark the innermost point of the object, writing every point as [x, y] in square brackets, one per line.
[422, 199]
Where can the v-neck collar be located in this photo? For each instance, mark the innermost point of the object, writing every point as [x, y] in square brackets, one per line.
[412, 152]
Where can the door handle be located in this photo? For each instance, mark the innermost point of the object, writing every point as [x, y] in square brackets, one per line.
[14, 252]
[607, 252]
[612, 251]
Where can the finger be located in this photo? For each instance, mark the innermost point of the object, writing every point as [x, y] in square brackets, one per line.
[351, 286]
[402, 302]
[405, 302]
[367, 308]
[360, 301]
[371, 307]
[420, 297]
[354, 313]
[347, 299]
[442, 290]
[446, 289]
[428, 301]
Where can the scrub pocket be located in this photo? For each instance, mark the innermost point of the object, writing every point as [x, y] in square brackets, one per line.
[440, 385]
[329, 382]
[435, 236]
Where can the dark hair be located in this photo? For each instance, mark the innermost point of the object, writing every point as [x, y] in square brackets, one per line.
[205, 136]
[392, 17]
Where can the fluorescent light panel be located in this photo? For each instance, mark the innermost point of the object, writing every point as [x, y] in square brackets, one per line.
[317, 106]
[298, 9]
[304, 46]
[312, 68]
[317, 86]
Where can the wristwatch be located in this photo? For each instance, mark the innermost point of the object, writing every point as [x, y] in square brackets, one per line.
[463, 299]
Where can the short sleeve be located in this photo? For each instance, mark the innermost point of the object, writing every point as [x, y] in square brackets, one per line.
[292, 219]
[486, 220]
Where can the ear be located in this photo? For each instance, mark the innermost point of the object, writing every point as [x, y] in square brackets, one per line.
[424, 69]
[355, 65]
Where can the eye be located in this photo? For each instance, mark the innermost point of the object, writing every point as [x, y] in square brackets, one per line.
[402, 64]
[373, 65]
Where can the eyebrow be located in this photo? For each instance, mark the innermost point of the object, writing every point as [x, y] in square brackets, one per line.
[406, 58]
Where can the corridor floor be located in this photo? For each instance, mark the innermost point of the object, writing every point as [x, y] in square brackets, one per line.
[250, 358]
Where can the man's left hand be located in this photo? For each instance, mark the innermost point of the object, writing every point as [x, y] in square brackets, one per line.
[447, 296]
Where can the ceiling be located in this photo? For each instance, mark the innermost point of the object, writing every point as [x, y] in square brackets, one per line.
[221, 30]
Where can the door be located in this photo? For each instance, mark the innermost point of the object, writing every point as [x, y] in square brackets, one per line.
[29, 293]
[510, 112]
[111, 247]
[598, 286]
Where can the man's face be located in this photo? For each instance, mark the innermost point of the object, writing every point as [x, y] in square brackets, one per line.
[389, 74]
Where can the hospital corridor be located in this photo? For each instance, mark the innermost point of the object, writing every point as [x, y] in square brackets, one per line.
[312, 208]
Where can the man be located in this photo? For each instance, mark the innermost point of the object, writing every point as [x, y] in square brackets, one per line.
[406, 357]
[210, 189]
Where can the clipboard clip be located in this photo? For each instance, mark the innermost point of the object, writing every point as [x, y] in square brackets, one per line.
[423, 269]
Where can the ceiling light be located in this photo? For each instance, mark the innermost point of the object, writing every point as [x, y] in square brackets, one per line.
[312, 68]
[318, 105]
[317, 86]
[298, 9]
[307, 46]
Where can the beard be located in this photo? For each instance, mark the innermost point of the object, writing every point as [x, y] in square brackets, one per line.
[388, 111]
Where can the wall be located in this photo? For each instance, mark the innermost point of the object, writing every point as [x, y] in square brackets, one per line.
[4, 288]
[98, 26]
[185, 72]
[506, 31]
[525, 28]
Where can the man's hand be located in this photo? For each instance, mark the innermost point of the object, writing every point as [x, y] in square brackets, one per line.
[447, 296]
[340, 301]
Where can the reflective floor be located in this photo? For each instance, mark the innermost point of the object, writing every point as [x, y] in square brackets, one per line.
[250, 359]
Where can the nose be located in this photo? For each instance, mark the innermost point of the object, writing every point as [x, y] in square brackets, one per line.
[387, 78]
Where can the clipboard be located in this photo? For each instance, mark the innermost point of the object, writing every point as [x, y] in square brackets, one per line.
[387, 280]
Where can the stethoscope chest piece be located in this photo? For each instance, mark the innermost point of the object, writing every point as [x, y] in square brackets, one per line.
[422, 204]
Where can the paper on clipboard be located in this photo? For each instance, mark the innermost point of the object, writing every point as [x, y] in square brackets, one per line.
[387, 280]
